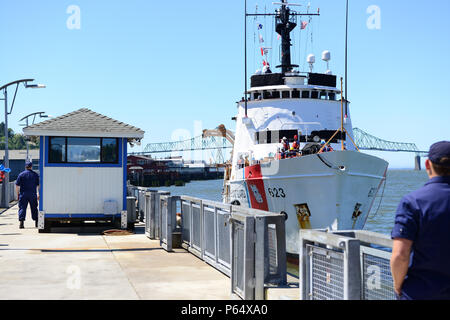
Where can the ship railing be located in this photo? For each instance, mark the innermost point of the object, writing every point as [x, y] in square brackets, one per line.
[247, 245]
[345, 265]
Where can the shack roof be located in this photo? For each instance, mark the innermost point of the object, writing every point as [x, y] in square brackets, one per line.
[84, 123]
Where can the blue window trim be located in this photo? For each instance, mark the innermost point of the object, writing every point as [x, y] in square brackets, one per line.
[41, 172]
[81, 165]
[125, 160]
[80, 215]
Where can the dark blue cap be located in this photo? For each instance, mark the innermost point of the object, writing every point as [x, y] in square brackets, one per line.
[28, 163]
[438, 152]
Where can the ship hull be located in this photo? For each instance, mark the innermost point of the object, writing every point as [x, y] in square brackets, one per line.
[334, 191]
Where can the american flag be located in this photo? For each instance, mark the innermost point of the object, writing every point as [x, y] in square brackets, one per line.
[304, 25]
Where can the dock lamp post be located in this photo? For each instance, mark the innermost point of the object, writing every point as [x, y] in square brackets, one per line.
[34, 115]
[5, 192]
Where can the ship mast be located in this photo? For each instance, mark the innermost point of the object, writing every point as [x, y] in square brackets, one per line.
[285, 24]
[286, 21]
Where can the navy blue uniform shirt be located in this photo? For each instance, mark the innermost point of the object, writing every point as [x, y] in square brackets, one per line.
[28, 181]
[423, 217]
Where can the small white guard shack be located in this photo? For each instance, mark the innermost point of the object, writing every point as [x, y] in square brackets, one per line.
[83, 167]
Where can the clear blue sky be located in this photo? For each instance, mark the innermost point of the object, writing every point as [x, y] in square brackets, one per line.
[162, 65]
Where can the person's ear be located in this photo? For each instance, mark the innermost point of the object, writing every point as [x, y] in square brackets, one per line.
[428, 167]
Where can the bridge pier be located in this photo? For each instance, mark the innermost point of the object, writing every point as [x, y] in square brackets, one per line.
[417, 164]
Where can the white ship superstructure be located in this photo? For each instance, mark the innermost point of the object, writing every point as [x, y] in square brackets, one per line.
[334, 189]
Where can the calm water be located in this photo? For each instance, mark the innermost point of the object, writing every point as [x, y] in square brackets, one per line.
[399, 183]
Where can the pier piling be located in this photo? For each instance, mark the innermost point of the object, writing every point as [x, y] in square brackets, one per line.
[417, 164]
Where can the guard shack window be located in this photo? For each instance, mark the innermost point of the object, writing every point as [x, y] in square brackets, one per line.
[83, 150]
[109, 150]
[57, 150]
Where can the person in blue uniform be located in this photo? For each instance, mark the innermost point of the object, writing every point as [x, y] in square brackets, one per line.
[420, 261]
[27, 185]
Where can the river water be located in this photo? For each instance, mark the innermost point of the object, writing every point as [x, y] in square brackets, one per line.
[398, 184]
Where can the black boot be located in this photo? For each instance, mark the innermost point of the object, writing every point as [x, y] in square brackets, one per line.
[21, 225]
[36, 223]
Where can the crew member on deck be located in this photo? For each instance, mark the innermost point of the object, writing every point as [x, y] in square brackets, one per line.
[327, 148]
[322, 144]
[296, 144]
[292, 153]
[266, 69]
[285, 148]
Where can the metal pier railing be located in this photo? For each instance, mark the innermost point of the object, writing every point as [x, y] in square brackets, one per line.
[249, 246]
[345, 265]
[11, 188]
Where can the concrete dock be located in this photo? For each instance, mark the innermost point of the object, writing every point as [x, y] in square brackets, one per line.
[82, 263]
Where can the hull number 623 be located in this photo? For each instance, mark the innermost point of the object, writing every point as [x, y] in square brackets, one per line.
[276, 192]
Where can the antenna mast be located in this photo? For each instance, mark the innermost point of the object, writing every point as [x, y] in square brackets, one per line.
[245, 57]
[286, 21]
[285, 25]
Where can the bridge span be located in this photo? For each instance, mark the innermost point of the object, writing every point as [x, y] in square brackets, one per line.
[219, 144]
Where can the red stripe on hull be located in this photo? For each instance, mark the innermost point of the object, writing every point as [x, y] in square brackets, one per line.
[256, 190]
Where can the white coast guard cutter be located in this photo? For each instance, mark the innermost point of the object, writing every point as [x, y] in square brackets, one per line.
[333, 190]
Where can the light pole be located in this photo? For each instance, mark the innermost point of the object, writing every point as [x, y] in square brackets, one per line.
[346, 59]
[34, 115]
[5, 195]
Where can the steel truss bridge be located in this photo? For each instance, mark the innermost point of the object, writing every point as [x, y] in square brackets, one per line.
[363, 140]
[367, 141]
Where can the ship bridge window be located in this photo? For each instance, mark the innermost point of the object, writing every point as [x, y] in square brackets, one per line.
[267, 95]
[275, 136]
[296, 94]
[264, 137]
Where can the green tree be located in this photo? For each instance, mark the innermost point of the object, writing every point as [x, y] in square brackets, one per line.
[16, 141]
